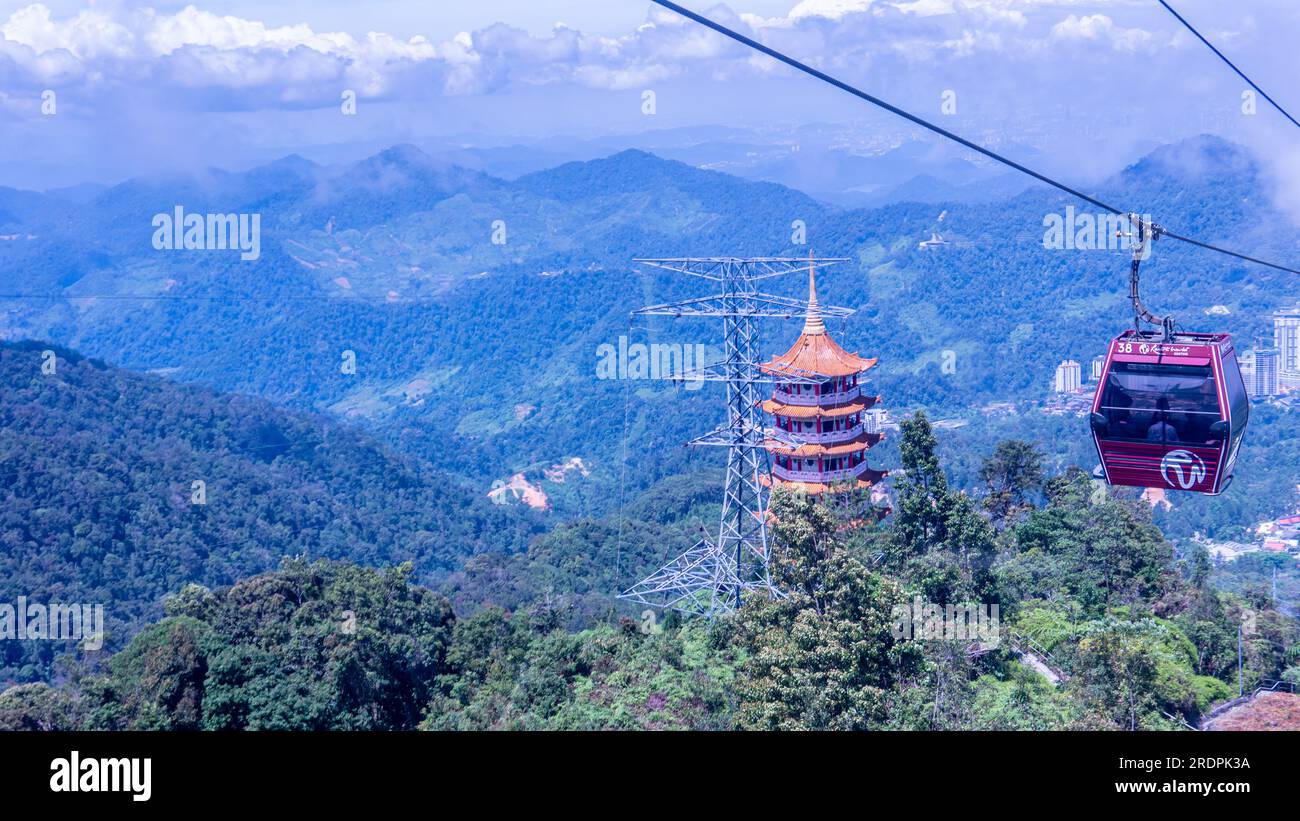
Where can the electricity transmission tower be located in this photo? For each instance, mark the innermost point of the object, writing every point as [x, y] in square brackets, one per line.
[710, 577]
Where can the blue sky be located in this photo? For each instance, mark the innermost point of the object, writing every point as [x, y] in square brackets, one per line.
[143, 87]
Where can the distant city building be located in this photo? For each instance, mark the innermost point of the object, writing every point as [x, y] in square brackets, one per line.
[1098, 367]
[1286, 339]
[1246, 362]
[1068, 377]
[933, 242]
[1264, 372]
[873, 419]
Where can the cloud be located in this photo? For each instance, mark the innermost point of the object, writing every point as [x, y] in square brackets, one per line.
[830, 9]
[136, 83]
[88, 35]
[295, 65]
[196, 50]
[1099, 27]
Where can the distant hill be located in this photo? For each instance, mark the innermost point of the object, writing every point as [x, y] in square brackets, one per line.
[99, 502]
[475, 305]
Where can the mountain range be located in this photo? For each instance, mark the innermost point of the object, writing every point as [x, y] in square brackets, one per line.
[456, 315]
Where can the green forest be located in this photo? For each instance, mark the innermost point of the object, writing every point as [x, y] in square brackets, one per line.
[98, 501]
[1084, 581]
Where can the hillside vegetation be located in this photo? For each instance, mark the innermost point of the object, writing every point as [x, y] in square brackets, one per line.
[1082, 578]
[99, 502]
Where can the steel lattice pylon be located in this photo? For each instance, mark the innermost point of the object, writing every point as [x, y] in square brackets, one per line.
[711, 577]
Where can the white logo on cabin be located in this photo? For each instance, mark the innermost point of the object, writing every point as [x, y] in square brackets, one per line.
[1182, 469]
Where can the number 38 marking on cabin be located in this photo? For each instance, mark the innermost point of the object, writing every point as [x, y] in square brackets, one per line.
[1127, 347]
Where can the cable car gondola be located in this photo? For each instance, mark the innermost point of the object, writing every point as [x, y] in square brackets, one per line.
[1171, 408]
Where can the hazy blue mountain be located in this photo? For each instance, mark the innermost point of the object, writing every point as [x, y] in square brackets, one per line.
[83, 192]
[480, 357]
[932, 189]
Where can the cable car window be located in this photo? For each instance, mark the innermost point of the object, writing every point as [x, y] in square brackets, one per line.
[1237, 398]
[1160, 403]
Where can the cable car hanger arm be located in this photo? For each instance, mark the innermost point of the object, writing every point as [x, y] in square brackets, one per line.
[1143, 235]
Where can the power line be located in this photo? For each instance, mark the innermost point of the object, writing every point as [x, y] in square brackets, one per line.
[857, 92]
[943, 132]
[1221, 56]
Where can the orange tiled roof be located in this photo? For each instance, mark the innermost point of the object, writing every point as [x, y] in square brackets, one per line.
[868, 440]
[779, 408]
[816, 354]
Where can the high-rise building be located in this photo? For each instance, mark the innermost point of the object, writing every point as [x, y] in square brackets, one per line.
[1246, 363]
[873, 420]
[1068, 376]
[1264, 376]
[1286, 339]
[1098, 368]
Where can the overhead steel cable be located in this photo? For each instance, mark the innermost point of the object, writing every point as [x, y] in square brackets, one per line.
[943, 132]
[1240, 256]
[857, 92]
[1231, 65]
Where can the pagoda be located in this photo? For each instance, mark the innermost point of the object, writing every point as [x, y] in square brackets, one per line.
[823, 411]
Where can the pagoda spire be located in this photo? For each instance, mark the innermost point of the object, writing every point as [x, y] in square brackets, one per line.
[813, 324]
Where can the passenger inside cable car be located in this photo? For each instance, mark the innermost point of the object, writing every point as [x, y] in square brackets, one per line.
[1161, 430]
[1161, 404]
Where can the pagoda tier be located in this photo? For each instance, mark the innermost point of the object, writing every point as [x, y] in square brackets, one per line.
[863, 478]
[821, 407]
[784, 409]
[857, 441]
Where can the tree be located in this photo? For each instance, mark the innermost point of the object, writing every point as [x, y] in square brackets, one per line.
[157, 680]
[523, 671]
[1116, 673]
[922, 489]
[826, 656]
[312, 646]
[1104, 552]
[39, 707]
[940, 542]
[1012, 474]
[1200, 565]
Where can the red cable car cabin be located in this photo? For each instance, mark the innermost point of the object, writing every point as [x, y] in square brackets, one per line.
[1170, 414]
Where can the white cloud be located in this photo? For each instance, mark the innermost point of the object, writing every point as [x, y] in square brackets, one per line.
[1100, 27]
[89, 34]
[831, 9]
[248, 64]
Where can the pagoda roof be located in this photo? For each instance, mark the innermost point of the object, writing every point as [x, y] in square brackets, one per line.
[867, 479]
[867, 440]
[814, 354]
[779, 408]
